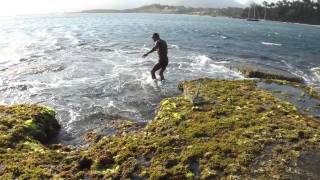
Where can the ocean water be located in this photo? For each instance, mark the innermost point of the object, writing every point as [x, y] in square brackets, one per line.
[89, 66]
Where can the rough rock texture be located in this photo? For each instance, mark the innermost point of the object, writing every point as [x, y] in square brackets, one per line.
[22, 122]
[224, 129]
[23, 129]
[310, 90]
[255, 71]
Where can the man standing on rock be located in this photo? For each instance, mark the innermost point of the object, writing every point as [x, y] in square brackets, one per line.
[162, 48]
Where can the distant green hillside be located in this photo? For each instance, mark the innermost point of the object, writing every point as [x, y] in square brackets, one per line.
[101, 11]
[165, 9]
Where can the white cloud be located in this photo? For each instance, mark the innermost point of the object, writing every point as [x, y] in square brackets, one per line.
[14, 7]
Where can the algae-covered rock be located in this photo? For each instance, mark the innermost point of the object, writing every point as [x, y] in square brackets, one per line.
[20, 122]
[22, 129]
[246, 133]
[217, 129]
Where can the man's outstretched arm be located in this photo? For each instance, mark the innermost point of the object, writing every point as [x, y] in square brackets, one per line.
[152, 50]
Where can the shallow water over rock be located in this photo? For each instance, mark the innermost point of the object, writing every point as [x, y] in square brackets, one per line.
[305, 103]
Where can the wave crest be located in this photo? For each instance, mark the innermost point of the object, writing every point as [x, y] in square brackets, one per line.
[270, 44]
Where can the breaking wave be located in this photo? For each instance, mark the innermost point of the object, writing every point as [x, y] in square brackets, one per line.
[271, 44]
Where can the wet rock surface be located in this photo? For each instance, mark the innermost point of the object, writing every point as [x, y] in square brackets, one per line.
[304, 102]
[256, 71]
[308, 163]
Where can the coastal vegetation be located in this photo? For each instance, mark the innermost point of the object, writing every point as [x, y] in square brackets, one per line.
[215, 129]
[297, 11]
[166, 9]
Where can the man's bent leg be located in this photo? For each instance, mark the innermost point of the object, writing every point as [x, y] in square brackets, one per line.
[163, 68]
[153, 71]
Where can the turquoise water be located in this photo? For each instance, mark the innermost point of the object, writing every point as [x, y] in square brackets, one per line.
[89, 66]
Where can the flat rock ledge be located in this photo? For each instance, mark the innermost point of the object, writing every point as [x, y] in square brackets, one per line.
[217, 129]
[256, 71]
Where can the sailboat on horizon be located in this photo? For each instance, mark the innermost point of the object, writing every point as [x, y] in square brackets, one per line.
[254, 13]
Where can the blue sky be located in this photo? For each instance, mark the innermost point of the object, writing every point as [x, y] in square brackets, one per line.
[14, 7]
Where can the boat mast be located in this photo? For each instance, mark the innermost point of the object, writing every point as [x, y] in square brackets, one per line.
[265, 13]
[254, 10]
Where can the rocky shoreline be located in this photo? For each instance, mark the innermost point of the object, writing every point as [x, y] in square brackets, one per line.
[215, 129]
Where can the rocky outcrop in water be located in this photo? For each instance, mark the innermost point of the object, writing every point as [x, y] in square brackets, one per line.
[255, 71]
[216, 129]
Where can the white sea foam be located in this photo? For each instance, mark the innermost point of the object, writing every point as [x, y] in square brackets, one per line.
[316, 74]
[221, 62]
[203, 60]
[73, 117]
[297, 72]
[224, 37]
[206, 65]
[271, 44]
[315, 69]
[174, 46]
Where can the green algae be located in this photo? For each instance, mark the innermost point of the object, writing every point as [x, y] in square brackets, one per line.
[222, 140]
[31, 124]
[217, 129]
[23, 128]
[22, 121]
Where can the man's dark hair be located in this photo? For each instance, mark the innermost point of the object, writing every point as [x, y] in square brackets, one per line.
[156, 35]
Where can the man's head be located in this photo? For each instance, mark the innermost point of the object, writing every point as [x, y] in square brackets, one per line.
[155, 36]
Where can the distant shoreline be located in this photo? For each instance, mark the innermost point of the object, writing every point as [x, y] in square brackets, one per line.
[165, 9]
[285, 22]
[230, 12]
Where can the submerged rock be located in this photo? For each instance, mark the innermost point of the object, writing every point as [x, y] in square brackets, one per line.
[302, 97]
[246, 133]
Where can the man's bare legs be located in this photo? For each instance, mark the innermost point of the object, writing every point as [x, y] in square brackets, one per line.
[159, 66]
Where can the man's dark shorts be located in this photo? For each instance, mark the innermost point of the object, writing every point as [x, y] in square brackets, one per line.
[161, 65]
[163, 62]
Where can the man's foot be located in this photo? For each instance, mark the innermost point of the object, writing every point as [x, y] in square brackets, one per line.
[155, 81]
